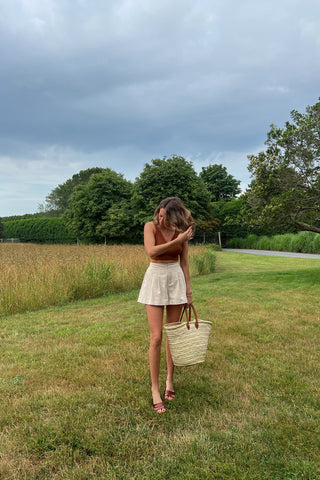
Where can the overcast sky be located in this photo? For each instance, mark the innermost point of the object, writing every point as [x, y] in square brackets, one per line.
[116, 83]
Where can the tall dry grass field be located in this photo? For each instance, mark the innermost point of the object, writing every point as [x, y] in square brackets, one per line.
[36, 276]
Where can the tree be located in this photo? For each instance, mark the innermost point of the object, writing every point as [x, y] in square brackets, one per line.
[169, 177]
[1, 229]
[58, 200]
[206, 226]
[91, 206]
[230, 216]
[118, 223]
[285, 190]
[220, 184]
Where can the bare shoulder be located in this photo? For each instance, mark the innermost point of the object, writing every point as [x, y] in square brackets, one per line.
[149, 227]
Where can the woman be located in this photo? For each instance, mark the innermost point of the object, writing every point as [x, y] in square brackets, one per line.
[166, 283]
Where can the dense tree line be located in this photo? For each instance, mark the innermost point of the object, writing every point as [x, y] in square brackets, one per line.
[284, 194]
[110, 207]
[100, 205]
[1, 228]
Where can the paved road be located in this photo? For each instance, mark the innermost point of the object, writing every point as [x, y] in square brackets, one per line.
[272, 253]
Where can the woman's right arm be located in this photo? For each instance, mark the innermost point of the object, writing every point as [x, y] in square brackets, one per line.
[154, 250]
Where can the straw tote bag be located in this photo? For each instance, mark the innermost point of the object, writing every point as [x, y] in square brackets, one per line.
[188, 341]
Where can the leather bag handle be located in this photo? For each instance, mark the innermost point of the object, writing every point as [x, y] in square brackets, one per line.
[187, 310]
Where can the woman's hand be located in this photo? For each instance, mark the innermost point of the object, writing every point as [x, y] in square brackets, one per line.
[185, 236]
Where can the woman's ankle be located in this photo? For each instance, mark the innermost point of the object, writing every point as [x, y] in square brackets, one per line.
[169, 384]
[156, 395]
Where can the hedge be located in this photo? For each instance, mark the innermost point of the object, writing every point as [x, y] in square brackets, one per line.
[306, 242]
[38, 230]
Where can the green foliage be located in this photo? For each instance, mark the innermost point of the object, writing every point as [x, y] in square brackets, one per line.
[230, 217]
[285, 190]
[98, 205]
[305, 242]
[29, 215]
[118, 223]
[58, 199]
[169, 177]
[39, 230]
[1, 228]
[94, 281]
[214, 247]
[220, 184]
[95, 207]
[203, 264]
[204, 230]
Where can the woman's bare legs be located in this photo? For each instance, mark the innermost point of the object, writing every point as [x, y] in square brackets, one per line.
[155, 320]
[173, 315]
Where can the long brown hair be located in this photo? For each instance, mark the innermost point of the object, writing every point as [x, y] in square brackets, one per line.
[177, 215]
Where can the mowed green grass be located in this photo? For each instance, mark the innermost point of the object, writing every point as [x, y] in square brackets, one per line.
[75, 389]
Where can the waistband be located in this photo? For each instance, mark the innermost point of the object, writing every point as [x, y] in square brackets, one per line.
[163, 266]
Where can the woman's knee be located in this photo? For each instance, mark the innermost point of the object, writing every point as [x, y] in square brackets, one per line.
[156, 340]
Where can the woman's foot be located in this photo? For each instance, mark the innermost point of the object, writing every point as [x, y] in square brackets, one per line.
[157, 402]
[169, 393]
[159, 407]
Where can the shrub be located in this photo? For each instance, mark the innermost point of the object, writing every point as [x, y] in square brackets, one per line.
[316, 244]
[303, 242]
[38, 230]
[306, 242]
[263, 243]
[203, 264]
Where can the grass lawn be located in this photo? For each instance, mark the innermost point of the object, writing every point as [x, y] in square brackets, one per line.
[75, 390]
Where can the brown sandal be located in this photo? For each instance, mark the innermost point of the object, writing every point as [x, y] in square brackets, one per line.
[169, 395]
[159, 407]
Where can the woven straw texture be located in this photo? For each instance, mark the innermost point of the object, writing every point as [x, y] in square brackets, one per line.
[188, 347]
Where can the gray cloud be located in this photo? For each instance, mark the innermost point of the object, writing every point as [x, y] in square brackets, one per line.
[119, 83]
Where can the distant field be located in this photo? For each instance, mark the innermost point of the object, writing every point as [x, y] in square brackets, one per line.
[76, 396]
[36, 276]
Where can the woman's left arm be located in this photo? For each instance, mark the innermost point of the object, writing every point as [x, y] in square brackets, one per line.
[184, 263]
